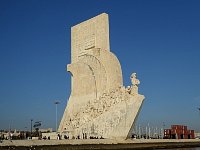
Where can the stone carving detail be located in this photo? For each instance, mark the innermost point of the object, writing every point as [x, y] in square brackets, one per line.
[95, 108]
[135, 82]
[99, 104]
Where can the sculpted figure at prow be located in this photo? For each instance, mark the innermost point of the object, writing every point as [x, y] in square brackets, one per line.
[135, 82]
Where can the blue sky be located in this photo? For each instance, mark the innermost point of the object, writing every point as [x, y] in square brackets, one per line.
[160, 40]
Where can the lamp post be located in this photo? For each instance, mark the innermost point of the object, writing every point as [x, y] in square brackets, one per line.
[163, 131]
[25, 131]
[9, 131]
[31, 127]
[56, 103]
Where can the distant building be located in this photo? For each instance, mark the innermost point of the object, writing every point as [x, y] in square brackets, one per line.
[178, 132]
[10, 134]
[46, 130]
[197, 135]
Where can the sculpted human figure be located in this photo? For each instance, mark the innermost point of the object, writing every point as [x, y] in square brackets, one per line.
[135, 82]
[128, 89]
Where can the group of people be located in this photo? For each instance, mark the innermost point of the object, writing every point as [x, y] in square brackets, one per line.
[59, 137]
[46, 138]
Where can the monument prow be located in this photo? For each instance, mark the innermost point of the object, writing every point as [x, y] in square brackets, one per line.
[99, 105]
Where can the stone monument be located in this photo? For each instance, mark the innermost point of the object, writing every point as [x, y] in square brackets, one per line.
[99, 105]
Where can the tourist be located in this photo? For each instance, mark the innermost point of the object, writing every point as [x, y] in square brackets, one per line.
[58, 137]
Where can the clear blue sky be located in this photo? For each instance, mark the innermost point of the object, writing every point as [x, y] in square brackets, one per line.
[160, 40]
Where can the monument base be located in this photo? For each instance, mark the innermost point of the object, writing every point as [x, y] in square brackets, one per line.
[111, 117]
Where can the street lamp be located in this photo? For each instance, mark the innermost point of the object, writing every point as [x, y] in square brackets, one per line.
[31, 126]
[56, 103]
[163, 132]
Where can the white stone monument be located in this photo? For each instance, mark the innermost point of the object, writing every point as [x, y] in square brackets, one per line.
[99, 104]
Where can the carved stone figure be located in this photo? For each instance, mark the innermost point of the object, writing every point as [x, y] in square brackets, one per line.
[99, 104]
[135, 82]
